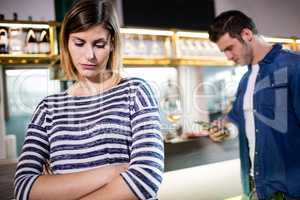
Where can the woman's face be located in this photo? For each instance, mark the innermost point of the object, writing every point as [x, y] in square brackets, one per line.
[90, 51]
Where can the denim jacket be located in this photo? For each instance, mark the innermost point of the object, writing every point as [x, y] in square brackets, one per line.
[276, 107]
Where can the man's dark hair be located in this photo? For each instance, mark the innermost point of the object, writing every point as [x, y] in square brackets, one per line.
[231, 22]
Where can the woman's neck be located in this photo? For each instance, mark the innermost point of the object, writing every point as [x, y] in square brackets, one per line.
[89, 87]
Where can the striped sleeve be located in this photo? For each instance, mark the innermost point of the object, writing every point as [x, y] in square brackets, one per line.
[145, 171]
[34, 153]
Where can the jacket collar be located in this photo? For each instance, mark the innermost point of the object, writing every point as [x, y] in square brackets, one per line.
[271, 55]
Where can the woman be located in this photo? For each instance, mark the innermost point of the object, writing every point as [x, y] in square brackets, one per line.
[102, 136]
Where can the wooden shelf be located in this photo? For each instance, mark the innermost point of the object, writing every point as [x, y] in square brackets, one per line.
[203, 61]
[146, 61]
[9, 59]
[24, 58]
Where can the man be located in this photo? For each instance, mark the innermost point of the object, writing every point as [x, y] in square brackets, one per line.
[266, 110]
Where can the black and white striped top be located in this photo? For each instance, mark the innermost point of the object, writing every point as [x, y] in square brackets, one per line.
[121, 125]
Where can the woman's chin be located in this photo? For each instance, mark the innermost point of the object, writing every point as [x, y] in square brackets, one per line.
[90, 75]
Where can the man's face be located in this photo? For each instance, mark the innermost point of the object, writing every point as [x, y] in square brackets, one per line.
[239, 52]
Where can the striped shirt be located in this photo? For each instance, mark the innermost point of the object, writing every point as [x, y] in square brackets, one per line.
[74, 134]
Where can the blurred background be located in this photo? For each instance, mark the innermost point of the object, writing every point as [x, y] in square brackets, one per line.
[164, 42]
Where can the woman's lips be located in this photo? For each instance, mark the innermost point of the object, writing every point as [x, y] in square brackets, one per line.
[88, 66]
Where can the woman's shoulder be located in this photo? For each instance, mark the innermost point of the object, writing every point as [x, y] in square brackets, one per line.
[44, 107]
[57, 97]
[133, 79]
[136, 81]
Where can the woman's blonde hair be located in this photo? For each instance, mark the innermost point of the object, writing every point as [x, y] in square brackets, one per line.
[83, 15]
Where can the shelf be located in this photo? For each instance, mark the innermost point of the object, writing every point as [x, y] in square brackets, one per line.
[10, 59]
[145, 47]
[146, 61]
[26, 58]
[203, 61]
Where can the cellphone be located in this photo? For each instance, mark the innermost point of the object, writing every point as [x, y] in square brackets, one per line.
[207, 126]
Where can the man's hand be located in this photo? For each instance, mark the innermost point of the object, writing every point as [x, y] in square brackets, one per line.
[218, 132]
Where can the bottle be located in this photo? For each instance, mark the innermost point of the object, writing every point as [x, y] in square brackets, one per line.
[3, 37]
[16, 38]
[44, 44]
[31, 40]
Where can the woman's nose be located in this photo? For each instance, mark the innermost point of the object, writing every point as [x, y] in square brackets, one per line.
[90, 54]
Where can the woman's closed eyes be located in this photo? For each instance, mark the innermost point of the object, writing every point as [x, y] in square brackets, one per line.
[100, 43]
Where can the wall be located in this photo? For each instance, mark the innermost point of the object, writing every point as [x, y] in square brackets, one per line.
[2, 133]
[38, 9]
[272, 17]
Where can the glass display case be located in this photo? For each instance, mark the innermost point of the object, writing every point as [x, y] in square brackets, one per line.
[195, 49]
[27, 42]
[287, 43]
[146, 46]
[157, 47]
[169, 47]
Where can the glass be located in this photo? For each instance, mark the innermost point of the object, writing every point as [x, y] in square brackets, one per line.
[141, 47]
[172, 107]
[16, 40]
[129, 49]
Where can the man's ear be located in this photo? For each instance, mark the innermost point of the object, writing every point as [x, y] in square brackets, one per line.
[247, 34]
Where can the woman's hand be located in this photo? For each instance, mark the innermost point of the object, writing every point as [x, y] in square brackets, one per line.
[114, 170]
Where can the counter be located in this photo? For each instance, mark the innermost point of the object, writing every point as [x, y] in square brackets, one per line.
[199, 151]
[7, 172]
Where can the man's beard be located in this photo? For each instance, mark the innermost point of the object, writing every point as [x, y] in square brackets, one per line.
[248, 54]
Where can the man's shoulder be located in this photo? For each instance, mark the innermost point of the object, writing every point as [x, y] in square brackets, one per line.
[289, 60]
[288, 57]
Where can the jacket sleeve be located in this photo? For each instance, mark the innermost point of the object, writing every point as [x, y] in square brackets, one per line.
[146, 166]
[233, 114]
[294, 80]
[35, 152]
